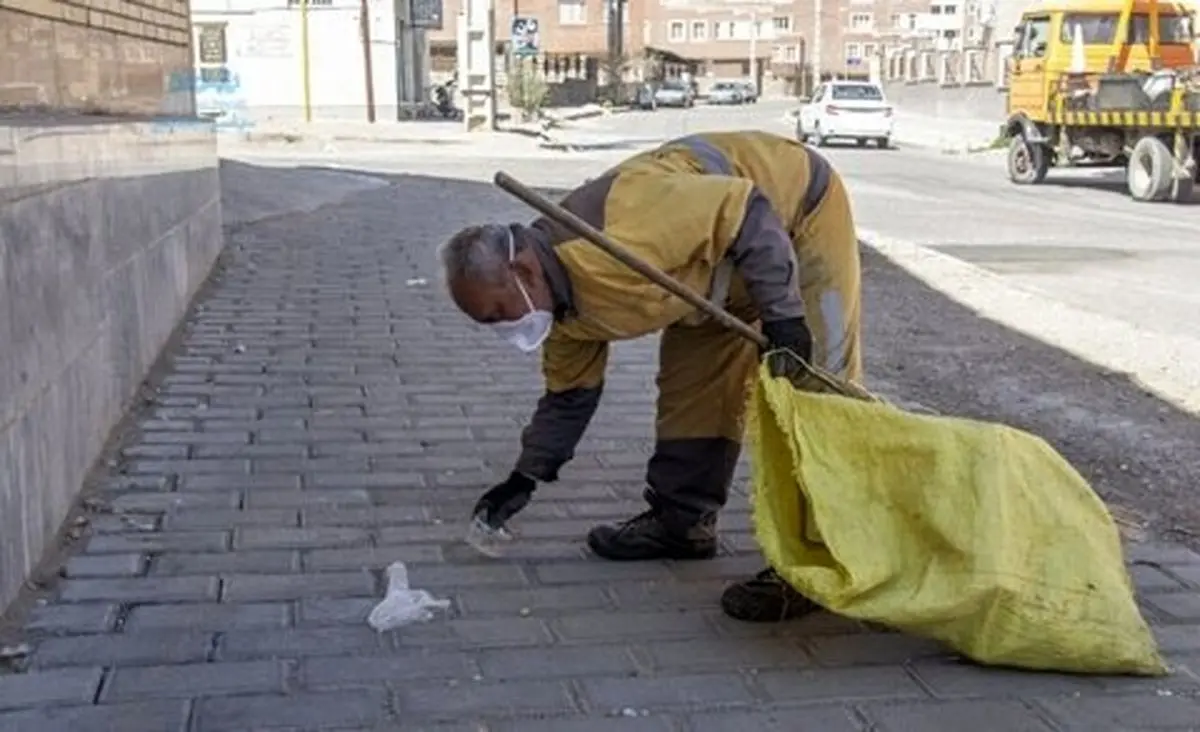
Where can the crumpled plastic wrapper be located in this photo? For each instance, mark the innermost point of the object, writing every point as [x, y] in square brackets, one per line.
[488, 540]
[403, 606]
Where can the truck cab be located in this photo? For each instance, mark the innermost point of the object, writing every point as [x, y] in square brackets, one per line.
[1044, 47]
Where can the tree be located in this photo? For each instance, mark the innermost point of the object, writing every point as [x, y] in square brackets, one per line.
[527, 89]
[614, 67]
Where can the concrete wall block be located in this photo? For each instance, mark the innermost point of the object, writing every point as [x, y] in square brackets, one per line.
[106, 232]
[983, 102]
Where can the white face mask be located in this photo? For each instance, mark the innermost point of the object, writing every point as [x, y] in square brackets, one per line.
[530, 330]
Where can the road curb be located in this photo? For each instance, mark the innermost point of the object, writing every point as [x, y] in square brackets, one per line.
[1166, 364]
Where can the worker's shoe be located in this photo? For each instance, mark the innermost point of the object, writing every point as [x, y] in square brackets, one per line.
[647, 536]
[765, 598]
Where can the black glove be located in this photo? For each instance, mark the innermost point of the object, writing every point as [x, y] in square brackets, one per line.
[792, 334]
[504, 501]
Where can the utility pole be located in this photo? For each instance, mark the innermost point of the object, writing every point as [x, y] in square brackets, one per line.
[754, 50]
[368, 74]
[305, 62]
[816, 44]
[616, 47]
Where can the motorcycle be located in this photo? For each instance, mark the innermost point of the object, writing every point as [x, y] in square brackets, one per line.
[443, 100]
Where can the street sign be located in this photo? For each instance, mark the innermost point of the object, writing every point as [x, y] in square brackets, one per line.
[426, 14]
[524, 36]
[210, 42]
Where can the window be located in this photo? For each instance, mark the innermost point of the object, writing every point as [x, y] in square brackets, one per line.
[896, 20]
[950, 34]
[1171, 29]
[725, 31]
[858, 92]
[676, 31]
[912, 21]
[935, 9]
[1102, 29]
[868, 50]
[853, 52]
[950, 9]
[860, 21]
[782, 23]
[786, 54]
[572, 12]
[1096, 29]
[699, 30]
[1032, 38]
[757, 29]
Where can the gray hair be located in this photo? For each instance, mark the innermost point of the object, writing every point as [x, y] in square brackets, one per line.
[478, 253]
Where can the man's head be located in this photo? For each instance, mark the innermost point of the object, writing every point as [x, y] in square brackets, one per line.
[495, 278]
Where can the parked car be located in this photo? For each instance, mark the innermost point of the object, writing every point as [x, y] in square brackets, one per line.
[846, 110]
[674, 94]
[726, 92]
[643, 98]
[749, 92]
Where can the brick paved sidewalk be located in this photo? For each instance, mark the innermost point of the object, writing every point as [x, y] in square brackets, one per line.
[326, 416]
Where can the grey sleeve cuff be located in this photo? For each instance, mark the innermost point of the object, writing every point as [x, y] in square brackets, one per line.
[548, 441]
[763, 254]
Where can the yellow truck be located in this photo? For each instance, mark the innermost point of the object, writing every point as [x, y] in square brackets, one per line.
[1107, 83]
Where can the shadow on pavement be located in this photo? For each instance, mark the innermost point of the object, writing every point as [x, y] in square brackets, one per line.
[250, 193]
[1109, 181]
[1141, 453]
[870, 147]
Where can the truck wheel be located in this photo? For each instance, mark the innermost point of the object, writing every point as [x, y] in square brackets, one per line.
[1148, 173]
[1027, 162]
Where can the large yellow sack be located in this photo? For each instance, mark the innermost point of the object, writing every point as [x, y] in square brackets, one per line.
[978, 535]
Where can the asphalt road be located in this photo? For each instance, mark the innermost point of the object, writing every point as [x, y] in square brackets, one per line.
[1078, 237]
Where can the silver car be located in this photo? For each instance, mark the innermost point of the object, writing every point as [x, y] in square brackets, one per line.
[674, 94]
[726, 92]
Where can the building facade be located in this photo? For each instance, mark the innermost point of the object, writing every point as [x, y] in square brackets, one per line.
[103, 56]
[784, 41]
[318, 59]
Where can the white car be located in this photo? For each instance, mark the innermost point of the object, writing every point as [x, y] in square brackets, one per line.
[674, 94]
[846, 110]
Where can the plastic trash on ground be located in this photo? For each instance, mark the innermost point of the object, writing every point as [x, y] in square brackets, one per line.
[487, 540]
[403, 606]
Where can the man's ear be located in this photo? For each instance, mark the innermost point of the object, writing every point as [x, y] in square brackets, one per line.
[528, 268]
